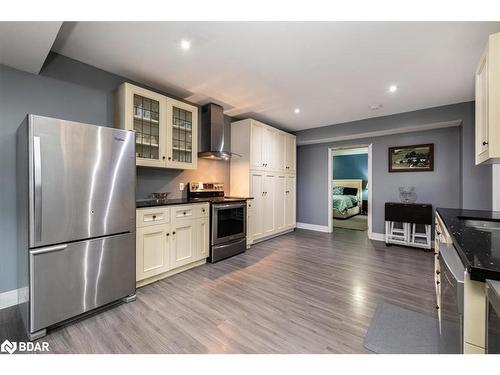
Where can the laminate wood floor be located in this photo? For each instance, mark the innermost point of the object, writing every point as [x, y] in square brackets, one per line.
[303, 292]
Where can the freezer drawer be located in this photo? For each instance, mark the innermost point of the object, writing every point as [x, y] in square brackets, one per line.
[71, 279]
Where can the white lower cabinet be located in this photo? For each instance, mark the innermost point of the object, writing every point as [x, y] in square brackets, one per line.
[290, 205]
[165, 249]
[250, 221]
[273, 204]
[152, 248]
[183, 250]
[279, 202]
[269, 211]
[257, 192]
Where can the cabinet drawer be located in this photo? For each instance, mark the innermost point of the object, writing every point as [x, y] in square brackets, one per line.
[152, 216]
[189, 211]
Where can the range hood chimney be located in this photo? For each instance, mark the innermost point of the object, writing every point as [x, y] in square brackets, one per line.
[213, 145]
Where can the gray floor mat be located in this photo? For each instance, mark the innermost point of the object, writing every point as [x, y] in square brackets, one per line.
[395, 330]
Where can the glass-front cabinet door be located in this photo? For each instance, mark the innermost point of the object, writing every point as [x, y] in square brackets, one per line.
[145, 112]
[182, 136]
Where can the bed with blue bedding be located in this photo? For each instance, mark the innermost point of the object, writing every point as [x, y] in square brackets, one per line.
[346, 198]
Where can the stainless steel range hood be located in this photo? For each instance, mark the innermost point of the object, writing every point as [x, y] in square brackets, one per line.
[213, 138]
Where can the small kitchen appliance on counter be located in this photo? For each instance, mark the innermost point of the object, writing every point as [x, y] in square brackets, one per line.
[227, 219]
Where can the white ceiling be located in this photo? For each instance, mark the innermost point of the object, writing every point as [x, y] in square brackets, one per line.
[332, 71]
[25, 45]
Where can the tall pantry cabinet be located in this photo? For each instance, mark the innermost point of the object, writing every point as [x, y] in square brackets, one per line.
[266, 172]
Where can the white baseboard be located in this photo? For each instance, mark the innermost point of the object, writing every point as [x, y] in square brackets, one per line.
[317, 228]
[377, 236]
[8, 299]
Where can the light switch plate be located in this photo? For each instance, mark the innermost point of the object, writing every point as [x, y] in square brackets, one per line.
[181, 186]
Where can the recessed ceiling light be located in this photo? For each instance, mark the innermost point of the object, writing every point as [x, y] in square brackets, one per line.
[297, 110]
[393, 88]
[374, 107]
[185, 44]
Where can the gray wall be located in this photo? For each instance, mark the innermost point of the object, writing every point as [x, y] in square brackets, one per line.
[74, 91]
[455, 182]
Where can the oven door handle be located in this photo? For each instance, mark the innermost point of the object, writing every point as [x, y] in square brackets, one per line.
[229, 205]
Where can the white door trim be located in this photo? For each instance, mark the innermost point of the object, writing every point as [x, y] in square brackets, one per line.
[330, 199]
[370, 191]
[370, 180]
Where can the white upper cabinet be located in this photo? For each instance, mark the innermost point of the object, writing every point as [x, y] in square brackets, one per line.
[290, 153]
[488, 103]
[166, 130]
[266, 148]
[280, 150]
[256, 146]
[182, 135]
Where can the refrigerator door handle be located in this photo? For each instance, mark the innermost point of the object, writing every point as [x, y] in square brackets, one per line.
[48, 249]
[37, 162]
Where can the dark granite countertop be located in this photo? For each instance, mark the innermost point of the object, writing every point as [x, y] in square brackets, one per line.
[150, 202]
[479, 249]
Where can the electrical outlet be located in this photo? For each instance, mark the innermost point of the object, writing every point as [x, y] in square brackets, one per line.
[181, 186]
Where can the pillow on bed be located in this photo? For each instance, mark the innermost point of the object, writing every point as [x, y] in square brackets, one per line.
[350, 191]
[354, 199]
[338, 190]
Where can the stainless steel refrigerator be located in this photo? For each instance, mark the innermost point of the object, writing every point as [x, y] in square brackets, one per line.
[76, 219]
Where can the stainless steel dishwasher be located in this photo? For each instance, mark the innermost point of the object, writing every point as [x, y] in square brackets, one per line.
[452, 300]
[492, 317]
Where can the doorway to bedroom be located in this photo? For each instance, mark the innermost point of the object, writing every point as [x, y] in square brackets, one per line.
[349, 188]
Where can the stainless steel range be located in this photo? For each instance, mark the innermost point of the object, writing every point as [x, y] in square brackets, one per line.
[227, 219]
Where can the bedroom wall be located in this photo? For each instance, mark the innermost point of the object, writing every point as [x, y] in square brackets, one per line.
[351, 167]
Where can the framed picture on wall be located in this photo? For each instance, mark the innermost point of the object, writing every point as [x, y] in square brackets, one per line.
[415, 158]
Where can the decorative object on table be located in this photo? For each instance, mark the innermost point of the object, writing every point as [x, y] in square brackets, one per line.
[407, 194]
[415, 158]
[161, 195]
[408, 224]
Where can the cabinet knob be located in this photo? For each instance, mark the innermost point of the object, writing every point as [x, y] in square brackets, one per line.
[169, 158]
[437, 307]
[184, 212]
[437, 283]
[154, 217]
[485, 143]
[173, 233]
[163, 157]
[202, 210]
[168, 234]
[437, 272]
[438, 233]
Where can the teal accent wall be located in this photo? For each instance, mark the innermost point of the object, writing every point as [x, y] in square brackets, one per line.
[352, 167]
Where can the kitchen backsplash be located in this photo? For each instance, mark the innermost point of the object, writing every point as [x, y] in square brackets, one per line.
[152, 180]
